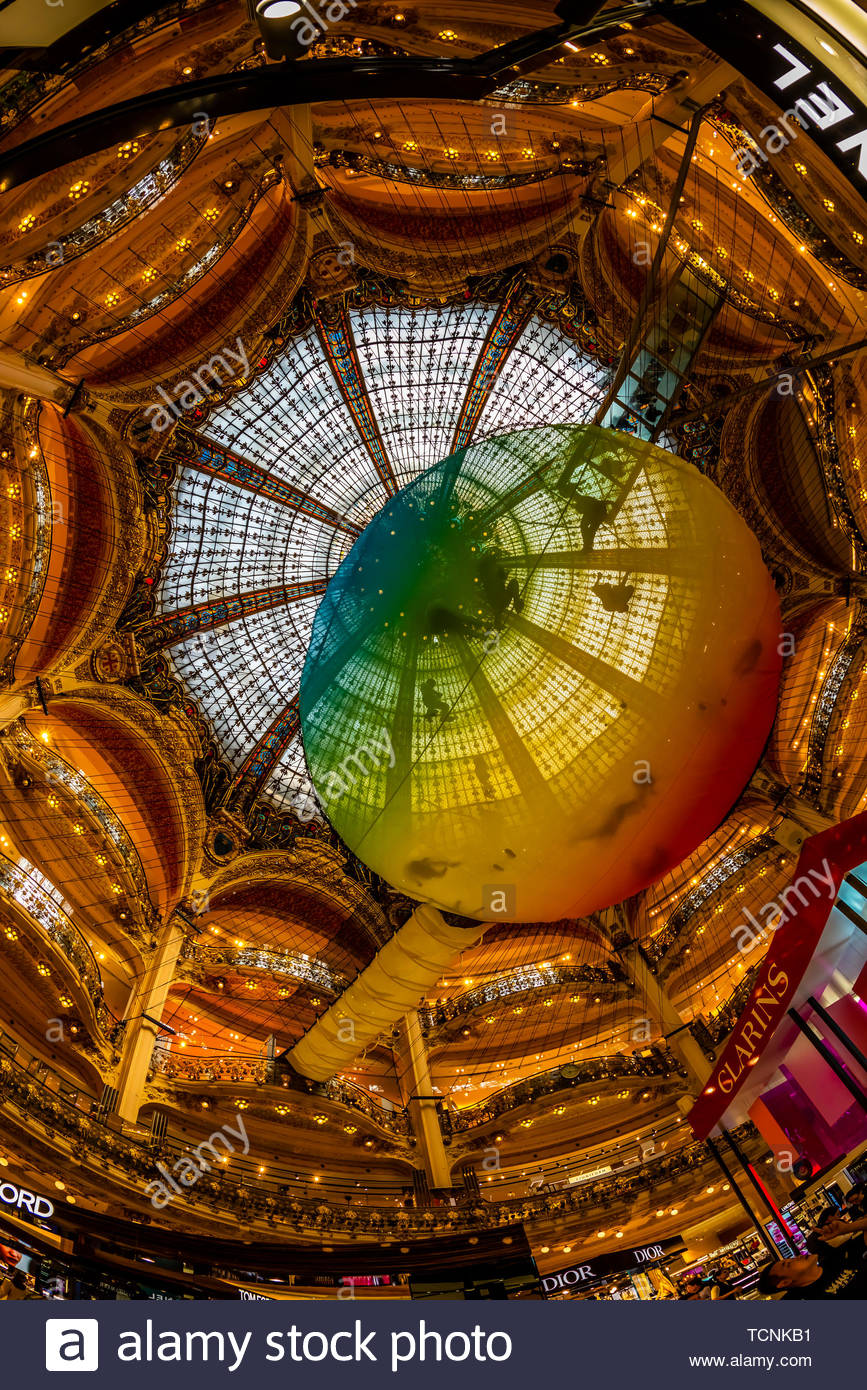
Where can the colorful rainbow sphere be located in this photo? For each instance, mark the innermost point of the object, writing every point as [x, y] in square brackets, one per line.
[542, 675]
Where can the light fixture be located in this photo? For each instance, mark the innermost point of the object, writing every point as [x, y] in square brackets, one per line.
[277, 21]
[278, 9]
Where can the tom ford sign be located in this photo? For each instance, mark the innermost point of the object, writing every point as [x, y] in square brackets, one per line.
[616, 1262]
[22, 1200]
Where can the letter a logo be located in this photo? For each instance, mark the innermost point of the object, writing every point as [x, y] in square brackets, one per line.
[71, 1344]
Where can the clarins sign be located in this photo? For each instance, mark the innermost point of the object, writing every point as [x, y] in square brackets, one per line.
[842, 847]
[617, 1262]
[22, 1200]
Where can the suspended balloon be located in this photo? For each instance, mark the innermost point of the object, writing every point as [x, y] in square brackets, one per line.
[542, 675]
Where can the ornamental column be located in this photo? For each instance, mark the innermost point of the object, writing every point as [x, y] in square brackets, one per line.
[14, 704]
[19, 374]
[140, 1032]
[416, 1092]
[674, 1028]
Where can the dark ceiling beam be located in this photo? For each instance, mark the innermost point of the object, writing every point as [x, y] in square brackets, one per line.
[86, 37]
[792, 369]
[300, 83]
[231, 94]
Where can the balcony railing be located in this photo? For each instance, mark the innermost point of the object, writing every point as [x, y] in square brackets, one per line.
[721, 1022]
[513, 982]
[277, 1198]
[729, 866]
[174, 1066]
[562, 1078]
[59, 771]
[296, 964]
[20, 887]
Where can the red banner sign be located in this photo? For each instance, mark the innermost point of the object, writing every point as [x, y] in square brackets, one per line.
[823, 863]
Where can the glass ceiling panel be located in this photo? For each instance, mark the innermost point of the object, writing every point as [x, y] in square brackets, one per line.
[251, 668]
[289, 783]
[544, 381]
[227, 541]
[416, 367]
[294, 422]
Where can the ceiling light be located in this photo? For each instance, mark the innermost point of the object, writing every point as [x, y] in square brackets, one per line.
[278, 9]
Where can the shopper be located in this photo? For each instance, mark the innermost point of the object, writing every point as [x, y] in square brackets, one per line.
[817, 1241]
[15, 1287]
[837, 1273]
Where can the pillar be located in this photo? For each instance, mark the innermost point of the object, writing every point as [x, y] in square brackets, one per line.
[25, 378]
[140, 1033]
[672, 1025]
[13, 705]
[413, 1076]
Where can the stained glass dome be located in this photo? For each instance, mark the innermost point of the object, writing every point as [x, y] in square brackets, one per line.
[285, 475]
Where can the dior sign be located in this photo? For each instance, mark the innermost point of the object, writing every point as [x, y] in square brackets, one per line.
[617, 1262]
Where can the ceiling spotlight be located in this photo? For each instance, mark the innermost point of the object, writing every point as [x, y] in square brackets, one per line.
[278, 9]
[278, 22]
